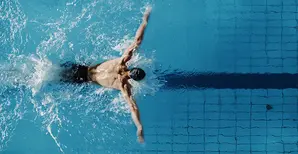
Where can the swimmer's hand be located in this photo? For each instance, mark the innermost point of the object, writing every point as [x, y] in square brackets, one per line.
[146, 14]
[140, 135]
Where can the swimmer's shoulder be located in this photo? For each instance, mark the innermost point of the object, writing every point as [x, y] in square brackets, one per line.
[106, 64]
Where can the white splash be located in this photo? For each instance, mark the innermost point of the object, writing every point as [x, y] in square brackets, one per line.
[72, 3]
[44, 71]
[123, 44]
[30, 72]
[102, 91]
[118, 105]
[12, 106]
[12, 110]
[11, 11]
[48, 110]
[150, 84]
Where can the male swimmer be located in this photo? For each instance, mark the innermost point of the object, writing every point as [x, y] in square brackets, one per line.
[115, 74]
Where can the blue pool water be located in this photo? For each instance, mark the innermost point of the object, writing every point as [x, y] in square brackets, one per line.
[40, 115]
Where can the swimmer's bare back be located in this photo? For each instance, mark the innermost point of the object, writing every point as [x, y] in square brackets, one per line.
[115, 74]
[106, 74]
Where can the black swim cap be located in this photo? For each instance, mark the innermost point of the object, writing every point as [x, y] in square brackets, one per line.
[137, 74]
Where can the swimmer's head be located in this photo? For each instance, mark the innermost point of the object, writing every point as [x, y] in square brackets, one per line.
[137, 74]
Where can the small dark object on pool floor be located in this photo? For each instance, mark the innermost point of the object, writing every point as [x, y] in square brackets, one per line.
[269, 107]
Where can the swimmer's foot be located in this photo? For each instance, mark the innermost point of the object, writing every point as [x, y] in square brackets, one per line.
[140, 135]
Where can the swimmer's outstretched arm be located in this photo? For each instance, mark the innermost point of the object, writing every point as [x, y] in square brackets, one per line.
[126, 92]
[138, 37]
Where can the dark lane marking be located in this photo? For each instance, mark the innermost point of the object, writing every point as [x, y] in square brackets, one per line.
[230, 80]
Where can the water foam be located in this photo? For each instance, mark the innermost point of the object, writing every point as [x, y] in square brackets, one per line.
[12, 96]
[11, 111]
[11, 11]
[49, 109]
[30, 72]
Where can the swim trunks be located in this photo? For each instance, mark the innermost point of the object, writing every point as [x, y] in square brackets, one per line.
[74, 73]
